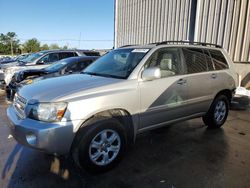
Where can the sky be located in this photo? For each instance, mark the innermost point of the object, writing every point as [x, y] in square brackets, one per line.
[64, 22]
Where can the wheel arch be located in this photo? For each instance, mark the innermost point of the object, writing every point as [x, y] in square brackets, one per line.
[122, 115]
[227, 93]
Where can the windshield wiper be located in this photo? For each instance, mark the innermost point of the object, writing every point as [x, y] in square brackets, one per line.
[103, 75]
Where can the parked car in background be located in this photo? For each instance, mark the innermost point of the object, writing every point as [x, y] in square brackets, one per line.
[40, 60]
[94, 115]
[66, 66]
[17, 58]
[4, 58]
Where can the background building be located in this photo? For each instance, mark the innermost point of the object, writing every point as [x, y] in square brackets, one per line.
[224, 22]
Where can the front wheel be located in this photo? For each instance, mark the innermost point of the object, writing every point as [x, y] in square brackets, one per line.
[218, 112]
[102, 145]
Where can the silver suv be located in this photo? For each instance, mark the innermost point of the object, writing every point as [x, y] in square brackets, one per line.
[96, 114]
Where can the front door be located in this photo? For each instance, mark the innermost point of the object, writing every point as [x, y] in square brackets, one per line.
[162, 99]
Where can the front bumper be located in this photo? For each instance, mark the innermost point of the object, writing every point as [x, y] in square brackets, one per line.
[11, 89]
[54, 138]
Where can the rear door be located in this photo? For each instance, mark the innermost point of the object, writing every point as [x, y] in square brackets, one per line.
[198, 79]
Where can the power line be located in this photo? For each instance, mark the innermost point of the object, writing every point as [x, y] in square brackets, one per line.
[75, 40]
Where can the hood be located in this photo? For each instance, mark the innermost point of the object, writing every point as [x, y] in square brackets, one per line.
[30, 73]
[36, 78]
[54, 89]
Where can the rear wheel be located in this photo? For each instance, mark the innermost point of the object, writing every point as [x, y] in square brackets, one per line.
[101, 146]
[218, 112]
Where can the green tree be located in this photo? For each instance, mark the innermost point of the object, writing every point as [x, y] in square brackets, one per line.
[65, 47]
[44, 47]
[31, 45]
[9, 44]
[54, 46]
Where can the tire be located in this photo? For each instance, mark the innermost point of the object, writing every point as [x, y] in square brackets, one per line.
[217, 113]
[95, 153]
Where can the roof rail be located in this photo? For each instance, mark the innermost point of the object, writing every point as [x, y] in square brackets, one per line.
[188, 42]
[128, 45]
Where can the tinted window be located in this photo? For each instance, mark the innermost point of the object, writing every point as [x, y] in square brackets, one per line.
[209, 60]
[92, 53]
[168, 60]
[84, 64]
[218, 60]
[195, 60]
[56, 66]
[73, 67]
[49, 58]
[64, 55]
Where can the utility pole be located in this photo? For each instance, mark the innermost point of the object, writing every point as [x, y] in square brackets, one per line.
[11, 46]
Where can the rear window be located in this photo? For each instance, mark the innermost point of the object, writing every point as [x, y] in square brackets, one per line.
[218, 59]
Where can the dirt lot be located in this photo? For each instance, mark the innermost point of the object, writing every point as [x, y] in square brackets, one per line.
[181, 155]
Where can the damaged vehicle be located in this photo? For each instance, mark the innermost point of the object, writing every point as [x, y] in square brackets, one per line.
[95, 115]
[66, 66]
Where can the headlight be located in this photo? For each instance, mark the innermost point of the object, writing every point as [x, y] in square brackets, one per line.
[49, 112]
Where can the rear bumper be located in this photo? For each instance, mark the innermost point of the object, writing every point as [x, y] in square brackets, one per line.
[54, 138]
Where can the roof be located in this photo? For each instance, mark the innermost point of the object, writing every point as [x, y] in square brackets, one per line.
[79, 58]
[174, 43]
[68, 50]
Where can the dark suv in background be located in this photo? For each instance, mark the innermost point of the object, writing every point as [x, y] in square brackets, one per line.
[66, 66]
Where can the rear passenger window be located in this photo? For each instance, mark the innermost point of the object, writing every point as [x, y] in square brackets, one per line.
[64, 55]
[218, 60]
[195, 60]
[168, 60]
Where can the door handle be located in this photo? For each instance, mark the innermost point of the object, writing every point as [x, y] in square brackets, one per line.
[181, 82]
[214, 76]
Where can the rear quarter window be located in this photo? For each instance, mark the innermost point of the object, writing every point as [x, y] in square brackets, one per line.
[219, 60]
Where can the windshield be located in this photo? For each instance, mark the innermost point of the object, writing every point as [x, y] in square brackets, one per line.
[117, 63]
[55, 66]
[32, 57]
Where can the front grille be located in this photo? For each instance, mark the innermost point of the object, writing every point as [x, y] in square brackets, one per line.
[19, 104]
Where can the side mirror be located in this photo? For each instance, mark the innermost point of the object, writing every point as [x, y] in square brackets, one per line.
[151, 73]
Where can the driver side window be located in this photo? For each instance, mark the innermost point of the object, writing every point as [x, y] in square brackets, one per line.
[49, 58]
[168, 60]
